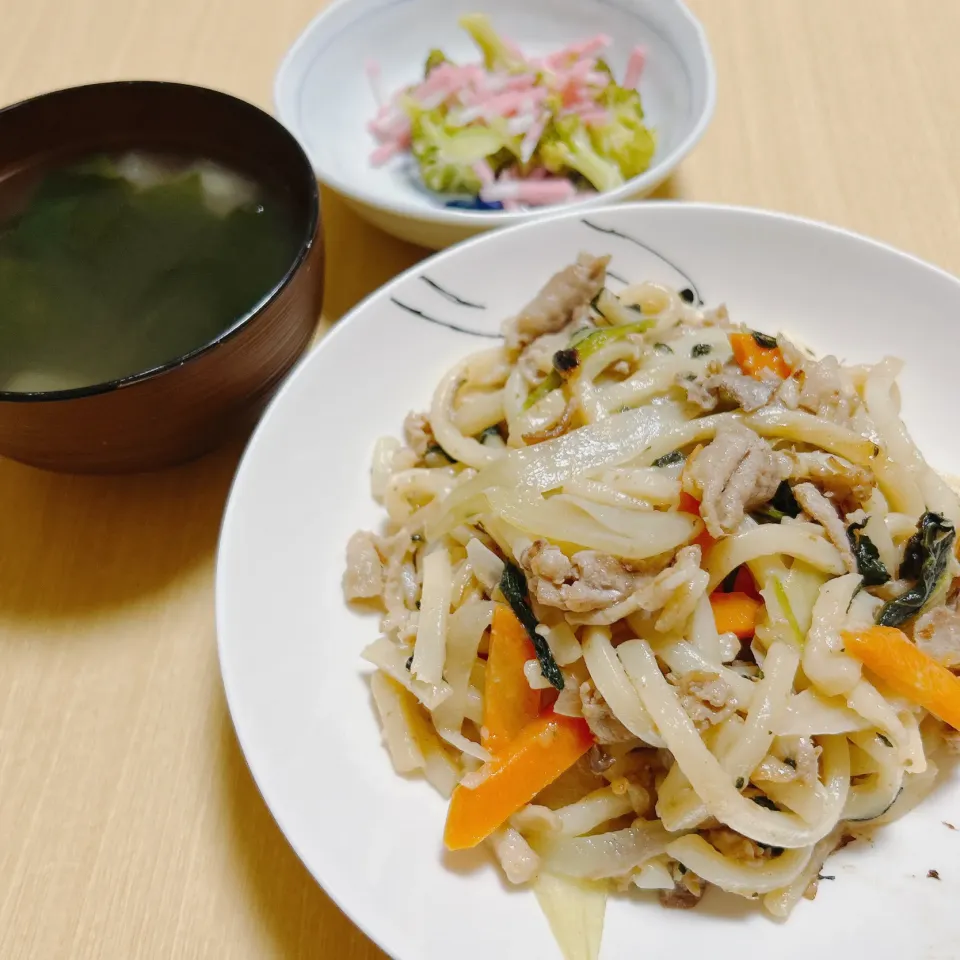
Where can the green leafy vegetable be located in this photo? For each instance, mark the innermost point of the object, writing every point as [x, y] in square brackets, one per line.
[762, 340]
[784, 500]
[925, 559]
[869, 564]
[663, 348]
[929, 528]
[782, 504]
[670, 459]
[513, 586]
[700, 350]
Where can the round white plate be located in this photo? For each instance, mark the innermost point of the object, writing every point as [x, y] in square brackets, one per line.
[289, 647]
[323, 95]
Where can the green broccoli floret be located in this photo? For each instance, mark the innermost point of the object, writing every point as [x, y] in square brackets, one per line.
[434, 58]
[615, 97]
[625, 139]
[446, 154]
[496, 54]
[566, 147]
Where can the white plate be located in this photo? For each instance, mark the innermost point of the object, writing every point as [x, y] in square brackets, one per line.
[323, 96]
[289, 648]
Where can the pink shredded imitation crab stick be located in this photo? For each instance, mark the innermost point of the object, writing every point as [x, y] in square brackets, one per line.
[484, 172]
[575, 51]
[635, 65]
[536, 193]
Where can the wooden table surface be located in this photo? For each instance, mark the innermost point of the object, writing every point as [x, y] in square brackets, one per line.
[129, 824]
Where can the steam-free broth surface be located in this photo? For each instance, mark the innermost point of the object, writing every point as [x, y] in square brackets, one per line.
[117, 265]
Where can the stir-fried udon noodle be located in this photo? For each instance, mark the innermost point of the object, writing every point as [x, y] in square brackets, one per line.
[667, 602]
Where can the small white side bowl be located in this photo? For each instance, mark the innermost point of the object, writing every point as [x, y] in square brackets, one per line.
[324, 98]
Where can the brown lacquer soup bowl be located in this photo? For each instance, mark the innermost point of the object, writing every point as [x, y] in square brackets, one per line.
[179, 408]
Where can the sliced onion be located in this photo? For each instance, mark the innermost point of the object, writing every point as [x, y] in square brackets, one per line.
[604, 854]
[744, 877]
[643, 534]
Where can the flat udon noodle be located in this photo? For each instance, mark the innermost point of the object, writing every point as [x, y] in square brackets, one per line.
[595, 487]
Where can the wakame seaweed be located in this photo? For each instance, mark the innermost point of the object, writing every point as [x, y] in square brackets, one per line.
[101, 277]
[925, 560]
[513, 586]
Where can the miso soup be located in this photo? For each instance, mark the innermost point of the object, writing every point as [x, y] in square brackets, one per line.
[115, 265]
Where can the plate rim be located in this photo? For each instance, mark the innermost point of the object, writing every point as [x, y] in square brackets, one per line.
[220, 589]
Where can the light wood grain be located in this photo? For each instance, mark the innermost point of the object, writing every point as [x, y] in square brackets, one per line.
[129, 825]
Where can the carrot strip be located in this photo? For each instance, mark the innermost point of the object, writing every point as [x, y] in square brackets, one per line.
[509, 703]
[754, 359]
[546, 748]
[735, 613]
[690, 504]
[889, 654]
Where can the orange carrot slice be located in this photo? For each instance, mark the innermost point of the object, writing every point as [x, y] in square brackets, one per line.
[889, 654]
[547, 747]
[735, 613]
[754, 359]
[509, 703]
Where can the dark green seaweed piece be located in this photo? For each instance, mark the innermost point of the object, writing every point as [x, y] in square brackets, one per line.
[513, 586]
[700, 350]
